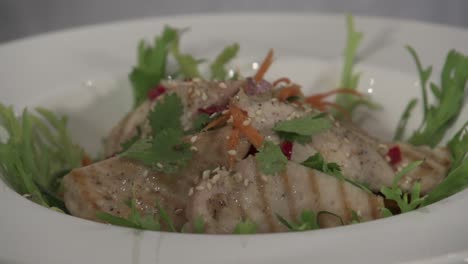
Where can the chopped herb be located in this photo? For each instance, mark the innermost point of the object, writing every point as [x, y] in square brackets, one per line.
[188, 65]
[200, 122]
[317, 162]
[127, 144]
[308, 220]
[199, 225]
[458, 146]
[302, 128]
[449, 98]
[151, 64]
[165, 217]
[349, 79]
[355, 217]
[396, 194]
[165, 151]
[36, 149]
[218, 70]
[245, 227]
[270, 158]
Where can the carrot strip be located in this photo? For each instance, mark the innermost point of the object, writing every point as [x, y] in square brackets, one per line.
[218, 121]
[290, 91]
[321, 96]
[249, 131]
[264, 67]
[233, 142]
[281, 80]
[339, 108]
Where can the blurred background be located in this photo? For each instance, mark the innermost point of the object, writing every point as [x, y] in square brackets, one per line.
[21, 18]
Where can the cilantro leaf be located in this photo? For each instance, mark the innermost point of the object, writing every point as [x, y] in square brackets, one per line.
[308, 220]
[270, 158]
[396, 194]
[317, 162]
[188, 65]
[302, 128]
[167, 113]
[127, 144]
[218, 71]
[449, 98]
[245, 227]
[151, 64]
[37, 147]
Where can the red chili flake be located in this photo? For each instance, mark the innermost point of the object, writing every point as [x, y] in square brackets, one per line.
[287, 148]
[212, 109]
[394, 153]
[156, 92]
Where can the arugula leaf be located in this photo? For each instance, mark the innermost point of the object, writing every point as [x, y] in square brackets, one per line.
[457, 179]
[396, 194]
[401, 127]
[308, 220]
[151, 64]
[36, 148]
[449, 98]
[317, 162]
[218, 71]
[302, 128]
[270, 158]
[349, 79]
[245, 227]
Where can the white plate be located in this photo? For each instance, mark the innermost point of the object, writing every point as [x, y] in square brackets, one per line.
[53, 70]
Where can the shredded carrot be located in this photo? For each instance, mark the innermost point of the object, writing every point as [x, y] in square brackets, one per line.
[86, 160]
[249, 131]
[318, 102]
[264, 67]
[217, 122]
[290, 91]
[233, 142]
[285, 80]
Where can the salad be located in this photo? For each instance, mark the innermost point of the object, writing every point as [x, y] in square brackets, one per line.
[228, 153]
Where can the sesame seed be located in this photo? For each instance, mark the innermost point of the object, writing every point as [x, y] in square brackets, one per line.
[246, 182]
[178, 211]
[200, 188]
[193, 139]
[387, 158]
[208, 186]
[213, 114]
[348, 155]
[197, 92]
[216, 169]
[190, 192]
[274, 100]
[159, 165]
[263, 120]
[228, 137]
[225, 112]
[258, 112]
[346, 140]
[215, 178]
[206, 174]
[204, 96]
[193, 148]
[196, 80]
[230, 120]
[246, 122]
[264, 178]
[337, 124]
[232, 152]
[222, 85]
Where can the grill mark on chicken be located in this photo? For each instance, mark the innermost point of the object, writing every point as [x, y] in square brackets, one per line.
[315, 190]
[289, 194]
[344, 200]
[266, 207]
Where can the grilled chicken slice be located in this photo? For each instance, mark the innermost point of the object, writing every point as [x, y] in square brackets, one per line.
[194, 95]
[107, 185]
[228, 197]
[360, 156]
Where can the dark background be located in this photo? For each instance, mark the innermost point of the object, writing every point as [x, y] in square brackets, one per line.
[21, 18]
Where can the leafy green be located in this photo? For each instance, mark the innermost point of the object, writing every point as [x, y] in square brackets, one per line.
[355, 217]
[401, 127]
[308, 220]
[457, 179]
[188, 65]
[245, 227]
[200, 122]
[37, 148]
[302, 128]
[270, 158]
[199, 225]
[349, 79]
[165, 151]
[151, 64]
[396, 194]
[218, 71]
[317, 162]
[127, 144]
[449, 98]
